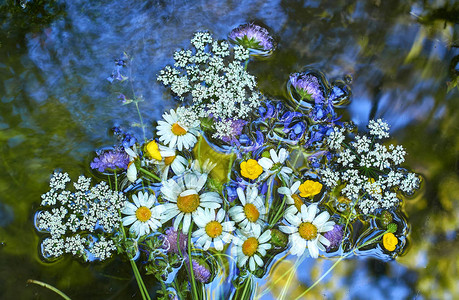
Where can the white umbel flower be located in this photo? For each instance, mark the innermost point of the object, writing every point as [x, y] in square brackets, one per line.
[251, 248]
[274, 165]
[305, 230]
[251, 214]
[142, 214]
[173, 132]
[185, 197]
[212, 228]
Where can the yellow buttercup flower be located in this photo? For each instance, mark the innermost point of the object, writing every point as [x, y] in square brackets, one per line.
[152, 149]
[390, 241]
[310, 188]
[251, 169]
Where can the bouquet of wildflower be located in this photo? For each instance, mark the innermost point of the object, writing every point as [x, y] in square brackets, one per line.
[232, 179]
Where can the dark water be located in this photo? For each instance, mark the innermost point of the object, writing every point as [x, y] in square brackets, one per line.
[57, 106]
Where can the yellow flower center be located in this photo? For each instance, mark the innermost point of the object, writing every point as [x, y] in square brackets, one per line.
[297, 201]
[214, 229]
[153, 150]
[169, 160]
[251, 169]
[189, 203]
[310, 188]
[390, 241]
[177, 129]
[250, 246]
[307, 231]
[143, 214]
[251, 212]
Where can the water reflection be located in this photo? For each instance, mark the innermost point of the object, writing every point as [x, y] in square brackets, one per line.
[57, 106]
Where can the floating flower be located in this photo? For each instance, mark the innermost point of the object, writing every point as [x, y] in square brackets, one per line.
[252, 212]
[186, 197]
[111, 159]
[390, 241]
[310, 188]
[274, 165]
[294, 201]
[307, 86]
[172, 238]
[335, 236]
[251, 169]
[305, 230]
[174, 133]
[252, 36]
[252, 248]
[152, 149]
[212, 229]
[143, 215]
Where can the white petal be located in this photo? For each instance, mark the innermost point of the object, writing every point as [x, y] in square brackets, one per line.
[258, 260]
[186, 223]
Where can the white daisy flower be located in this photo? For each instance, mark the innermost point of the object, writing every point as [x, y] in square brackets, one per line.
[186, 198]
[293, 200]
[170, 160]
[305, 230]
[205, 168]
[252, 248]
[252, 212]
[212, 228]
[274, 165]
[142, 214]
[174, 133]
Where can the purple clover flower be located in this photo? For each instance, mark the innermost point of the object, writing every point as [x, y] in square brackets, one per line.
[236, 130]
[334, 236]
[170, 241]
[200, 272]
[111, 159]
[308, 86]
[253, 37]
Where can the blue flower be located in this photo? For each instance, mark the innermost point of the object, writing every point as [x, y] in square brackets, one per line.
[335, 237]
[308, 87]
[252, 36]
[111, 159]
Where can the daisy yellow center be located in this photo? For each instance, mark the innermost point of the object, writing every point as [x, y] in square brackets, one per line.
[297, 201]
[143, 214]
[310, 188]
[189, 203]
[214, 229]
[251, 212]
[177, 129]
[250, 246]
[169, 160]
[307, 231]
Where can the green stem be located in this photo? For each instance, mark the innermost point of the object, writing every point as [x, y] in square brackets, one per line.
[49, 287]
[150, 174]
[190, 261]
[141, 120]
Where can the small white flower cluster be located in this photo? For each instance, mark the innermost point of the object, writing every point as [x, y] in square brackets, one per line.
[217, 85]
[368, 172]
[74, 216]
